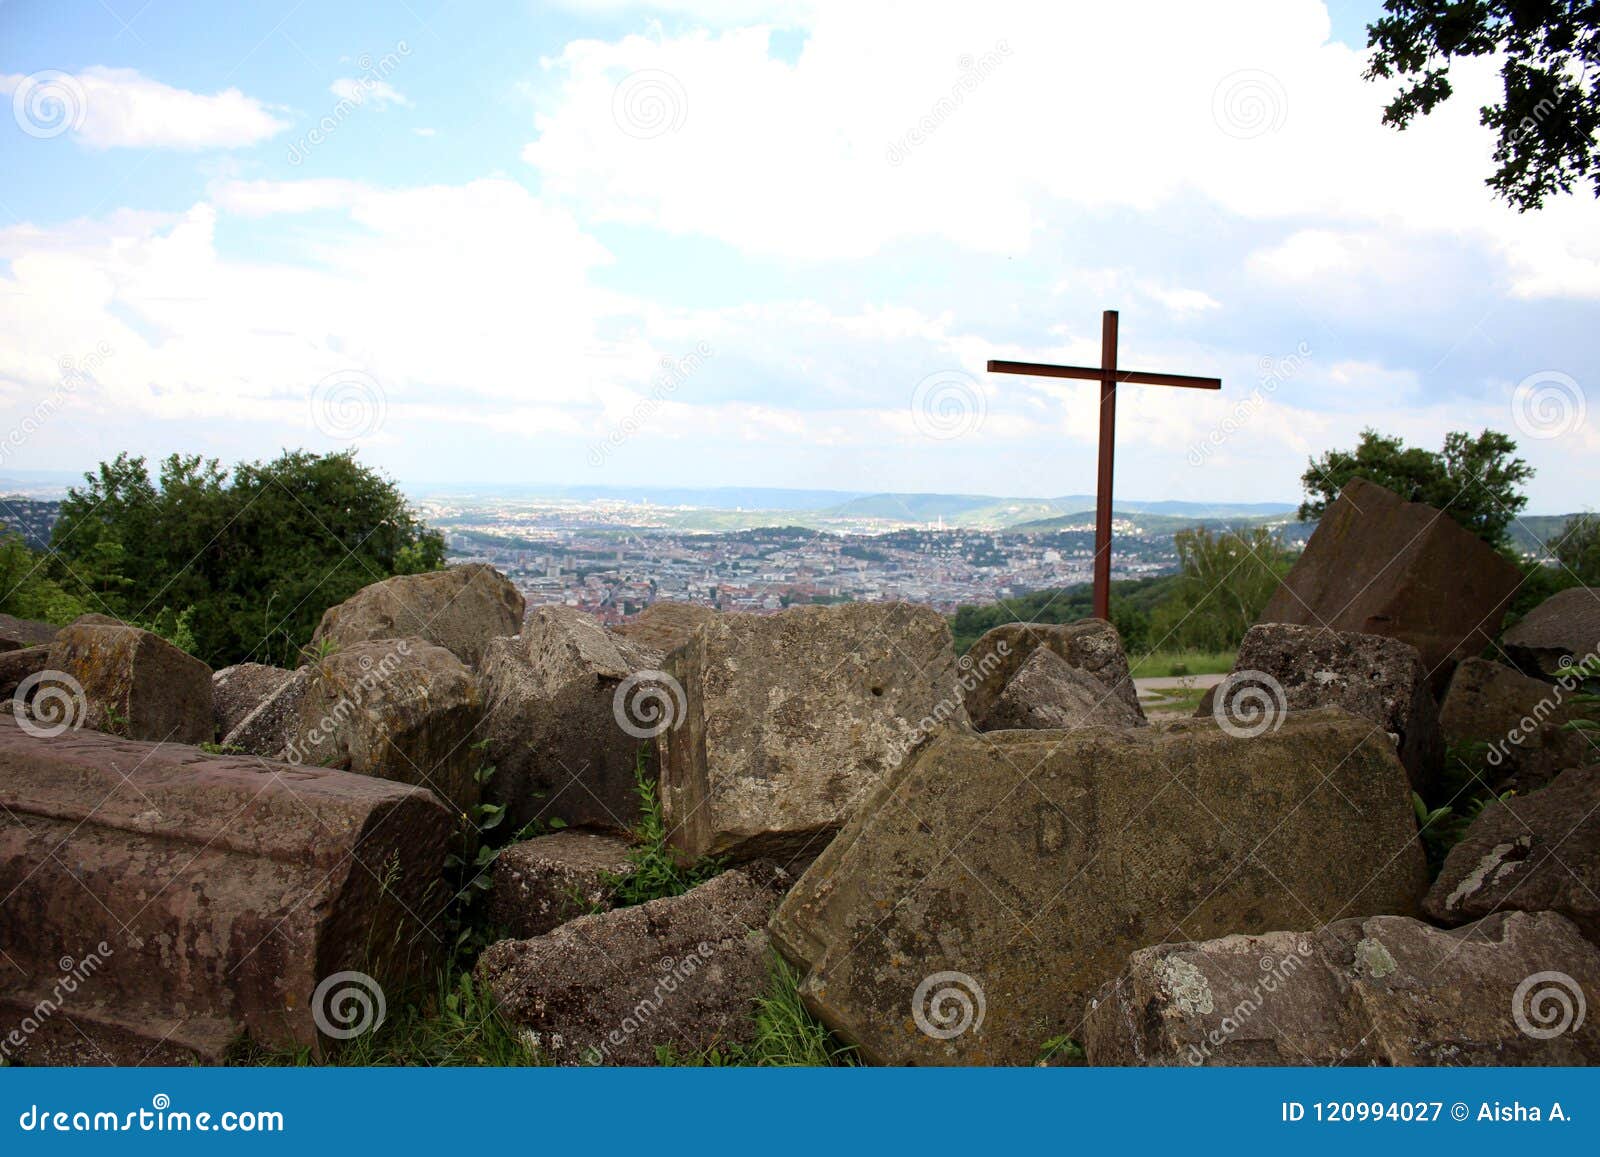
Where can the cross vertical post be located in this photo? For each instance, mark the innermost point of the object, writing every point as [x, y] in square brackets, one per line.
[1109, 377]
[1108, 439]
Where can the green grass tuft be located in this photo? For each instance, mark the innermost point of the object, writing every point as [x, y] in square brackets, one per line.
[656, 872]
[786, 1035]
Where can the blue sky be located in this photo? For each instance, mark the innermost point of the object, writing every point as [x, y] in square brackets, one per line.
[773, 242]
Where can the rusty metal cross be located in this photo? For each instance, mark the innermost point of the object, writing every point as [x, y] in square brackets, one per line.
[1109, 378]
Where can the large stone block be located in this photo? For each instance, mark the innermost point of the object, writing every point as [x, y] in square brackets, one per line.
[1090, 647]
[1529, 853]
[1373, 676]
[1562, 630]
[135, 683]
[786, 720]
[1379, 565]
[397, 709]
[1011, 873]
[1387, 990]
[665, 626]
[611, 988]
[540, 884]
[238, 690]
[558, 698]
[162, 902]
[460, 609]
[1522, 720]
[17, 633]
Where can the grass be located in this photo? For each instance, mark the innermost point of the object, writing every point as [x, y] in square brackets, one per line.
[1177, 701]
[1159, 664]
[456, 1026]
[786, 1035]
[655, 872]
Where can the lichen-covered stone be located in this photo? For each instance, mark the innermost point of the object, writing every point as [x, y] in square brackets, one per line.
[1373, 676]
[238, 690]
[1530, 853]
[1089, 646]
[17, 665]
[1522, 721]
[611, 988]
[556, 698]
[1379, 565]
[195, 899]
[1562, 630]
[460, 609]
[1027, 865]
[540, 884]
[135, 683]
[786, 720]
[1384, 990]
[398, 709]
[1048, 692]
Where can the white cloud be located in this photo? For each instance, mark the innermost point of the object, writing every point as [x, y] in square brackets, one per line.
[366, 90]
[110, 108]
[982, 124]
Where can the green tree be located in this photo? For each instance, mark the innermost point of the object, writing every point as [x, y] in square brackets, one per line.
[1577, 548]
[1225, 583]
[1474, 480]
[1549, 112]
[26, 588]
[235, 566]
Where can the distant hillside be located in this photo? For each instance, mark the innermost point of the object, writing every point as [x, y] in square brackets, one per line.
[982, 511]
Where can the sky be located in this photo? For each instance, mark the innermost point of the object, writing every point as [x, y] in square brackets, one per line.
[765, 243]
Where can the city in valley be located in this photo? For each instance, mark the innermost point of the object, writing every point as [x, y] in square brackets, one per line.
[612, 557]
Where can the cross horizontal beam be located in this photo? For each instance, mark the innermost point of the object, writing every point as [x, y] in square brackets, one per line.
[1095, 374]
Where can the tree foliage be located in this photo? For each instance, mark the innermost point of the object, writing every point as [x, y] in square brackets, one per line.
[1474, 480]
[236, 566]
[1549, 111]
[1224, 586]
[1577, 548]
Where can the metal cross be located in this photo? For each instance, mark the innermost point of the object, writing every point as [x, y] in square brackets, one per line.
[1109, 378]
